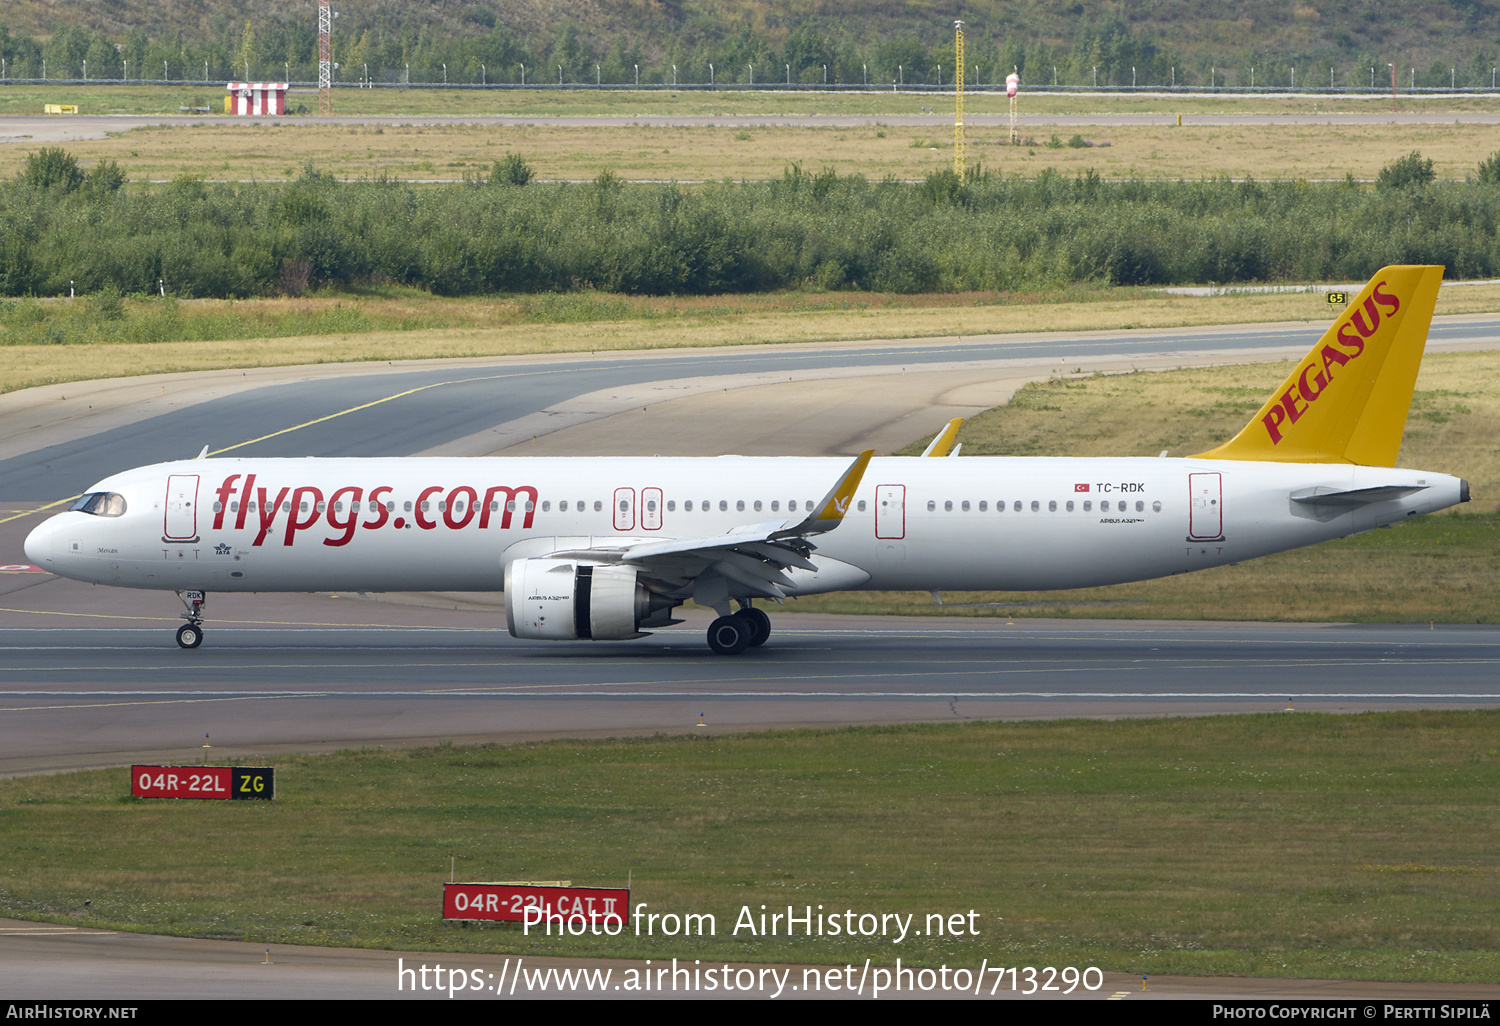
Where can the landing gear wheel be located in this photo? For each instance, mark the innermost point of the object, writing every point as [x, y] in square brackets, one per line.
[759, 624]
[190, 635]
[728, 635]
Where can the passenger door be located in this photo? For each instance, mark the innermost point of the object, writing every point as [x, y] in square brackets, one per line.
[1206, 510]
[180, 518]
[890, 511]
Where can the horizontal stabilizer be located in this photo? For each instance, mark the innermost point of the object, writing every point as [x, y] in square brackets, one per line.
[1327, 503]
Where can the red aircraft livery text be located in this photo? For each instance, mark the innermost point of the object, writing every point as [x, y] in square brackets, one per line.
[1296, 400]
[284, 512]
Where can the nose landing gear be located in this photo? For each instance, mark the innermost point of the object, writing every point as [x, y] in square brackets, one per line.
[190, 634]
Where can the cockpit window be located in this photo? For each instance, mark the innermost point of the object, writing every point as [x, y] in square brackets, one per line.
[100, 504]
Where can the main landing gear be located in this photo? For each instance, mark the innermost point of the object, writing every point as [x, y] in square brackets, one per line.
[190, 634]
[731, 635]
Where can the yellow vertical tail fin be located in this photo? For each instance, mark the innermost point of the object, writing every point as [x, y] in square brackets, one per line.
[1347, 400]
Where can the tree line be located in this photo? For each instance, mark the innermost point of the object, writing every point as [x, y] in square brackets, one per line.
[62, 228]
[381, 46]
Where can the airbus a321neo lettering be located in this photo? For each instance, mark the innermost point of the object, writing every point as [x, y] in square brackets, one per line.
[608, 549]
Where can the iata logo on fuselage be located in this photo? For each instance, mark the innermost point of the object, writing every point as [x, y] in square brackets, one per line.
[304, 506]
[1316, 372]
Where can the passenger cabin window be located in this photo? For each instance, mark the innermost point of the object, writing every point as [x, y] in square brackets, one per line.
[1156, 506]
[861, 505]
[598, 506]
[100, 504]
[931, 505]
[1070, 505]
[671, 505]
[775, 505]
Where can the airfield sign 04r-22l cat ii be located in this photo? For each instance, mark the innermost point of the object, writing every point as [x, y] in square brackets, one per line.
[607, 549]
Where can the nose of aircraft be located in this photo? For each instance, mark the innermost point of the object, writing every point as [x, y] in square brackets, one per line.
[39, 542]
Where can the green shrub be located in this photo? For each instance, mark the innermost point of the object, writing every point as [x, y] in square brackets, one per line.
[1489, 169]
[1406, 172]
[52, 167]
[511, 171]
[107, 304]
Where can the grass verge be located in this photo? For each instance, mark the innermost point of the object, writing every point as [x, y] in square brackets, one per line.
[447, 152]
[1280, 844]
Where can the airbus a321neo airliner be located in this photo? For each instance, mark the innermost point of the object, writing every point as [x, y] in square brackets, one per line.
[607, 549]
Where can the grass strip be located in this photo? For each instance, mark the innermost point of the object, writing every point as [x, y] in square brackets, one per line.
[270, 151]
[1340, 846]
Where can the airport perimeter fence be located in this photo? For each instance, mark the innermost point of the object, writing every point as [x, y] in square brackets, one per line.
[970, 88]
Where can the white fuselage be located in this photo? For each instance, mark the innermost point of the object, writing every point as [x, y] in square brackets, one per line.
[402, 524]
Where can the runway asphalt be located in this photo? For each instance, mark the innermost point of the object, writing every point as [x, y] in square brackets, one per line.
[98, 695]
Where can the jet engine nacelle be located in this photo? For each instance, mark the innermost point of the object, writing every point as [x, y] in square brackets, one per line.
[562, 599]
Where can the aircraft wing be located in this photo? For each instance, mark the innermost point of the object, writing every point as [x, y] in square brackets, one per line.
[746, 561]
